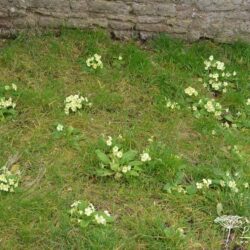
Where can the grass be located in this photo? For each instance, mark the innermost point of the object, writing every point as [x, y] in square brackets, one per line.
[128, 99]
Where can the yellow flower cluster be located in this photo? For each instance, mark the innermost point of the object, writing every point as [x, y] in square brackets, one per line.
[217, 79]
[8, 180]
[94, 62]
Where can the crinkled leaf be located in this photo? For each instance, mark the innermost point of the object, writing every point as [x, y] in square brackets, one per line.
[179, 177]
[135, 163]
[229, 118]
[84, 223]
[133, 173]
[102, 157]
[128, 156]
[104, 172]
[191, 189]
[114, 166]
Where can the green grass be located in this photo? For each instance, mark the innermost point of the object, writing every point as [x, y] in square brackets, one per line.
[128, 100]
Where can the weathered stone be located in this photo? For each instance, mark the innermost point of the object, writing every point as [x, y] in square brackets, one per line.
[221, 20]
[118, 25]
[113, 7]
[153, 9]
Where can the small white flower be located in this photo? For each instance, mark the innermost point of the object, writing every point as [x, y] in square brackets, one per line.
[151, 139]
[222, 183]
[248, 102]
[125, 169]
[76, 203]
[14, 87]
[211, 58]
[59, 127]
[119, 154]
[213, 132]
[145, 157]
[246, 185]
[120, 58]
[107, 213]
[191, 91]
[88, 211]
[207, 182]
[115, 150]
[199, 185]
[109, 141]
[100, 219]
[232, 184]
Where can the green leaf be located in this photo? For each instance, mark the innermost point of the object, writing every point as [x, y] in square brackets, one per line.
[168, 188]
[128, 156]
[114, 166]
[102, 157]
[191, 189]
[133, 173]
[84, 223]
[104, 172]
[179, 177]
[135, 163]
[229, 118]
[219, 208]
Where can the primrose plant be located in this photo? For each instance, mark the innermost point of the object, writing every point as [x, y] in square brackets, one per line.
[71, 135]
[84, 214]
[73, 103]
[116, 161]
[8, 180]
[94, 62]
[7, 105]
[216, 78]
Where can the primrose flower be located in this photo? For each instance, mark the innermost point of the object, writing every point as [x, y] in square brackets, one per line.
[199, 185]
[220, 65]
[75, 204]
[145, 157]
[107, 213]
[246, 185]
[6, 103]
[207, 182]
[75, 102]
[119, 154]
[209, 106]
[8, 180]
[115, 150]
[232, 184]
[222, 183]
[248, 101]
[14, 87]
[100, 219]
[126, 169]
[211, 58]
[191, 91]
[94, 62]
[59, 127]
[88, 211]
[109, 141]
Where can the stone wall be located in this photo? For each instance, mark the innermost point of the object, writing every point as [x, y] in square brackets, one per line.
[221, 20]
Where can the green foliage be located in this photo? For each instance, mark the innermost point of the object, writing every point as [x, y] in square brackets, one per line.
[117, 161]
[161, 208]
